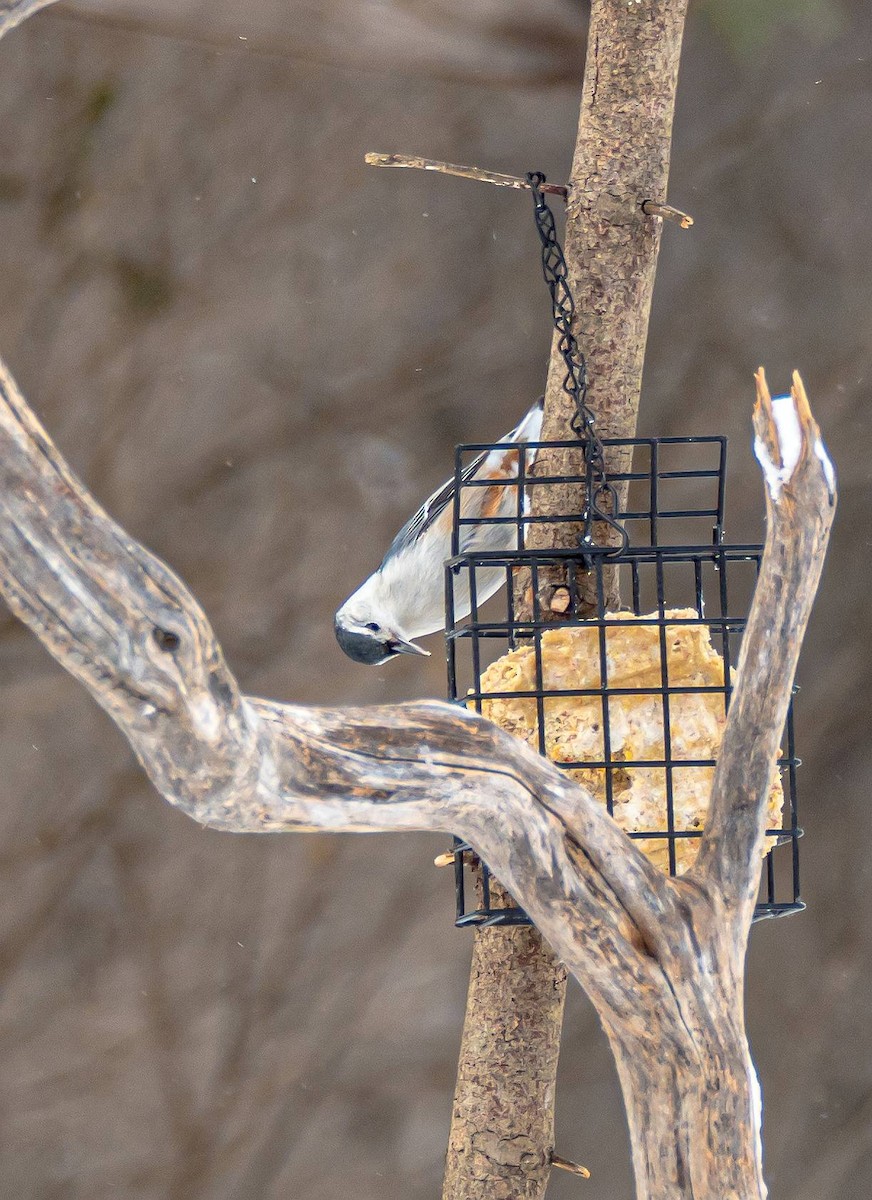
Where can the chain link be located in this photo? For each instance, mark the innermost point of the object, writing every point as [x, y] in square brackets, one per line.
[601, 497]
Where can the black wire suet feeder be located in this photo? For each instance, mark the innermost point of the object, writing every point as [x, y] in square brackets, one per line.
[682, 585]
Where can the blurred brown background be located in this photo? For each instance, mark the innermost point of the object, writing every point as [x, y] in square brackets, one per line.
[259, 355]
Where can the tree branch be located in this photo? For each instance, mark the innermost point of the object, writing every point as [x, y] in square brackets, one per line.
[800, 506]
[374, 159]
[621, 161]
[13, 12]
[127, 628]
[653, 954]
[662, 960]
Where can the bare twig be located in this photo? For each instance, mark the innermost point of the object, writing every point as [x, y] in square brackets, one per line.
[652, 209]
[431, 164]
[566, 1164]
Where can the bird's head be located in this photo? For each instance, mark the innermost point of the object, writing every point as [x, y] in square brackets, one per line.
[368, 639]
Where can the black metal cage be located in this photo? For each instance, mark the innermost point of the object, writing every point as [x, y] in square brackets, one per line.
[676, 559]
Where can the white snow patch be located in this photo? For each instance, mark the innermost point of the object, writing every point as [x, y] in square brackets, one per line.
[789, 434]
[827, 464]
[756, 1111]
[771, 473]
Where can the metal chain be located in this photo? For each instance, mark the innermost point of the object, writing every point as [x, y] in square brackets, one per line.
[597, 486]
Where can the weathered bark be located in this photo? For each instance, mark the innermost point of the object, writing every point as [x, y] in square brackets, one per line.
[694, 1112]
[621, 159]
[730, 849]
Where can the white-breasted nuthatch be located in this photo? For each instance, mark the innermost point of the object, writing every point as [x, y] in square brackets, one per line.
[405, 597]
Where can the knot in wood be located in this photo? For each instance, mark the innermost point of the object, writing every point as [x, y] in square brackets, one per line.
[166, 640]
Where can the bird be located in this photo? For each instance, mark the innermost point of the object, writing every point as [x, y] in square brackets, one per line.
[404, 598]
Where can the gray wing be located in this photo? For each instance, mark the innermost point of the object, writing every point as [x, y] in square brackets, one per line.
[432, 507]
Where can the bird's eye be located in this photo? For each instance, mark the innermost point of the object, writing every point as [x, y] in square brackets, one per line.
[373, 625]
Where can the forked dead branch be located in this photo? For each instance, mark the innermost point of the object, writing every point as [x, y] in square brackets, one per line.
[661, 959]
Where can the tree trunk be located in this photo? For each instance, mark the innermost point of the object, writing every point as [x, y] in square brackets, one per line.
[506, 1079]
[692, 1096]
[502, 1126]
[677, 1033]
[621, 159]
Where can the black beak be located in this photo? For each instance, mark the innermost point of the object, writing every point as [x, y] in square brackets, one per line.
[402, 647]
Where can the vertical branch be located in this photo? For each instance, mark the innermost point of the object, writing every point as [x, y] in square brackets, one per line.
[621, 159]
[800, 506]
[502, 1120]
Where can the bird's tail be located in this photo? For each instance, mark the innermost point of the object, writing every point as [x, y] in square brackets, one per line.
[529, 428]
[504, 463]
